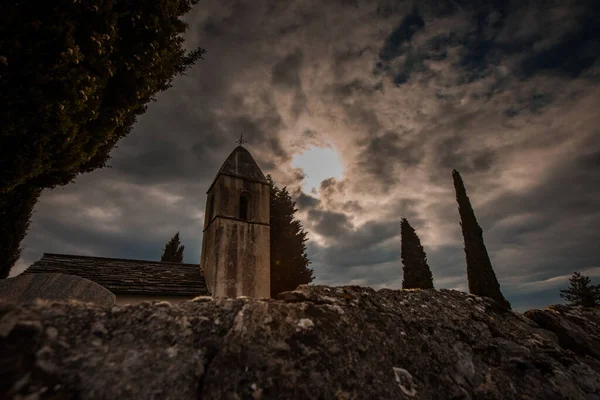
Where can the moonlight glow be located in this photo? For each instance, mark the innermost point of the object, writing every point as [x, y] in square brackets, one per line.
[318, 164]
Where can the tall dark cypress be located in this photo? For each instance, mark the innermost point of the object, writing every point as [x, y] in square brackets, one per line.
[173, 251]
[289, 261]
[480, 274]
[16, 208]
[417, 274]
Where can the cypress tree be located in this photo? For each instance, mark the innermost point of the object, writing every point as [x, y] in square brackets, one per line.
[581, 292]
[74, 77]
[173, 251]
[15, 213]
[480, 274]
[289, 261]
[417, 274]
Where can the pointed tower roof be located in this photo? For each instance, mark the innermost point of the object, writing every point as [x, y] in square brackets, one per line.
[241, 164]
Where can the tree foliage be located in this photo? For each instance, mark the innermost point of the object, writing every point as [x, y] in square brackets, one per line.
[289, 261]
[417, 274]
[74, 76]
[480, 274]
[581, 292]
[173, 251]
[15, 213]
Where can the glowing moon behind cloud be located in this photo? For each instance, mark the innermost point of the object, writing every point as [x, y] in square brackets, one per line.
[318, 164]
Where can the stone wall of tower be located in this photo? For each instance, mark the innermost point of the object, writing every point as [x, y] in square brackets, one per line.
[235, 252]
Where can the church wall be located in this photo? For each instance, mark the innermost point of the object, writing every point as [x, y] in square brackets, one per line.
[240, 264]
[258, 280]
[208, 258]
[203, 256]
[235, 253]
[227, 192]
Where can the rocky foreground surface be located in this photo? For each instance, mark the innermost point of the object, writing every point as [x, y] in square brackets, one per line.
[314, 343]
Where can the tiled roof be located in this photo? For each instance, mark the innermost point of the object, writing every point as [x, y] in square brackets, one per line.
[122, 276]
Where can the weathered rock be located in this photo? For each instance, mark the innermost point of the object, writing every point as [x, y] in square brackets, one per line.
[54, 286]
[318, 343]
[573, 326]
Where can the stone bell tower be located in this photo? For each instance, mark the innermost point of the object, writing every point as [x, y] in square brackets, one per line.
[236, 242]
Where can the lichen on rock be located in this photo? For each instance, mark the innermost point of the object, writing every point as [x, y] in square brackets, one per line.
[314, 343]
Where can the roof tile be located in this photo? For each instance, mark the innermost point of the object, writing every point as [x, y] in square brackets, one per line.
[122, 276]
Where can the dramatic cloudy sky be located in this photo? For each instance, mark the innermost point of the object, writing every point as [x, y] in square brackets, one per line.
[393, 97]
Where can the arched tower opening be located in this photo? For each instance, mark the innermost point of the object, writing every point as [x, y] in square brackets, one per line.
[211, 207]
[244, 206]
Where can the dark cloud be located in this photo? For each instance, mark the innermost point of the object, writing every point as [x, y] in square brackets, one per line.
[256, 130]
[352, 207]
[452, 154]
[310, 134]
[362, 116]
[578, 192]
[306, 202]
[287, 71]
[211, 29]
[329, 223]
[534, 103]
[371, 233]
[286, 74]
[353, 52]
[364, 256]
[479, 46]
[394, 45]
[159, 150]
[344, 90]
[328, 185]
[397, 45]
[330, 188]
[382, 154]
[492, 33]
[592, 160]
[573, 52]
[117, 244]
[351, 246]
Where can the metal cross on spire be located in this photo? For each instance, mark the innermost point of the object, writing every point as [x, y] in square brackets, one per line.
[241, 141]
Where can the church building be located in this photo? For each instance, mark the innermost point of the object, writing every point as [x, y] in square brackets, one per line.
[235, 245]
[235, 258]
